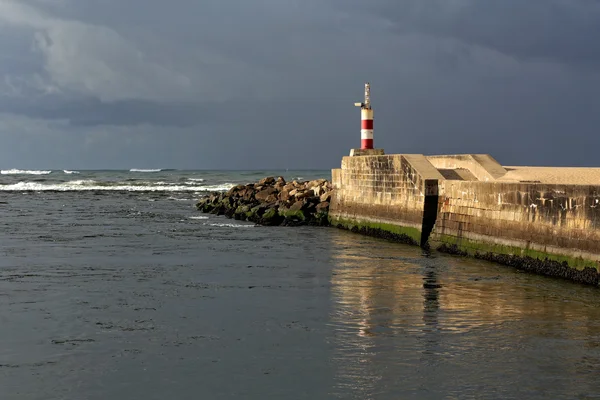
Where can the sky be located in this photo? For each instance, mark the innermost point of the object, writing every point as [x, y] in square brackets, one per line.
[256, 84]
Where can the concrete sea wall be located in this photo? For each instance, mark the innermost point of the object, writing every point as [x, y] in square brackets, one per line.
[385, 195]
[471, 205]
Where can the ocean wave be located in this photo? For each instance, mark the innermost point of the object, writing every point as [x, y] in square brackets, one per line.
[225, 225]
[85, 182]
[217, 188]
[199, 217]
[24, 172]
[90, 185]
[178, 199]
[196, 179]
[66, 171]
[161, 183]
[145, 170]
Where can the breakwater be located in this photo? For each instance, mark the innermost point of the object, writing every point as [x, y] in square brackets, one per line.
[544, 220]
[541, 220]
[273, 201]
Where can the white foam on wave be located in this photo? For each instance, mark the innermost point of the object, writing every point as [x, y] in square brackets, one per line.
[82, 182]
[24, 172]
[196, 179]
[161, 183]
[225, 225]
[66, 171]
[199, 217]
[144, 170]
[89, 185]
[217, 188]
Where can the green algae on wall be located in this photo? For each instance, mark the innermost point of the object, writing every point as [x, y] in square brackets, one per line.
[403, 234]
[479, 249]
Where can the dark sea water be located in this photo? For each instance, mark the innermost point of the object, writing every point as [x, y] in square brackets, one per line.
[112, 286]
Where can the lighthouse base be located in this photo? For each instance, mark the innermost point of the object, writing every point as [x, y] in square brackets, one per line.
[366, 152]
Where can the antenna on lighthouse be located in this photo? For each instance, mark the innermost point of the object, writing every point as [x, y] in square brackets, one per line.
[367, 95]
[366, 116]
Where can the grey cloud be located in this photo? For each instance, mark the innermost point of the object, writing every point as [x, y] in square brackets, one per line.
[233, 114]
[562, 31]
[268, 83]
[62, 146]
[90, 111]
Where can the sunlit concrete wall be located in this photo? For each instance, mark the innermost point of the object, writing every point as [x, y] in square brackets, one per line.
[385, 192]
[480, 212]
[561, 222]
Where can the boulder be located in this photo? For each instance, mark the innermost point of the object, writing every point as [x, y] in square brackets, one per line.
[305, 194]
[259, 210]
[322, 207]
[286, 204]
[264, 194]
[295, 218]
[284, 195]
[310, 204]
[313, 200]
[325, 197]
[316, 182]
[272, 198]
[247, 194]
[308, 207]
[297, 206]
[273, 202]
[241, 212]
[235, 189]
[229, 212]
[271, 217]
[321, 218]
[266, 181]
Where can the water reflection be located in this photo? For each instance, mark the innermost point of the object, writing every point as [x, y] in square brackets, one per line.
[412, 325]
[431, 306]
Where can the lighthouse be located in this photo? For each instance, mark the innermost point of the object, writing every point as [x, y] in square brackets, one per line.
[366, 127]
[366, 120]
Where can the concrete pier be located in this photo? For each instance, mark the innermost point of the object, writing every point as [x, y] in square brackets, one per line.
[545, 220]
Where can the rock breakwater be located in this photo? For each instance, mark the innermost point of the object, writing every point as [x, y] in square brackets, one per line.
[273, 201]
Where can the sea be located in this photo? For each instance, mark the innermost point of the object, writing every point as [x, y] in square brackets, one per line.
[113, 286]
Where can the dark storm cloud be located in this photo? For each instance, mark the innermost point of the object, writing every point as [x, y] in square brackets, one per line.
[558, 30]
[271, 83]
[91, 112]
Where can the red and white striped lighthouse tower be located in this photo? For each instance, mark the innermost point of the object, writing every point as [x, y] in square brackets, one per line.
[366, 116]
